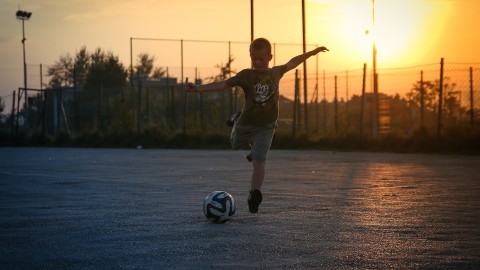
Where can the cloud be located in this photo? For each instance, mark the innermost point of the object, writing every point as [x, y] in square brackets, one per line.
[85, 17]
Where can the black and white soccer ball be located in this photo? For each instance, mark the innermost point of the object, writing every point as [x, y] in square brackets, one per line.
[219, 206]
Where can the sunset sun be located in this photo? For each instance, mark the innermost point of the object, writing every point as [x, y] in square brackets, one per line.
[398, 28]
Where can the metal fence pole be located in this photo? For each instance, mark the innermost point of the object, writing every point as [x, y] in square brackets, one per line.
[362, 104]
[295, 103]
[336, 107]
[13, 116]
[422, 101]
[472, 114]
[440, 100]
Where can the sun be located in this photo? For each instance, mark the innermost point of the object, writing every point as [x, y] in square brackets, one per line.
[399, 29]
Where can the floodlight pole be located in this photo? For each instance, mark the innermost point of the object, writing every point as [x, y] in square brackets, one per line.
[376, 124]
[305, 93]
[24, 15]
[251, 20]
[131, 62]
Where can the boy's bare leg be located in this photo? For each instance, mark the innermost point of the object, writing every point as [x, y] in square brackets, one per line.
[258, 174]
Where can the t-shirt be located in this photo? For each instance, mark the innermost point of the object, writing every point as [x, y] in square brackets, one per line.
[261, 94]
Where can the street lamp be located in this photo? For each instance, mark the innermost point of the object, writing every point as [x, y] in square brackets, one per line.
[376, 123]
[24, 16]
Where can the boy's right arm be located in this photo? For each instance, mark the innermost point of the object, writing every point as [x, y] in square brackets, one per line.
[214, 86]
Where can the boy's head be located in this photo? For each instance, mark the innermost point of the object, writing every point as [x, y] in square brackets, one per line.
[261, 43]
[260, 53]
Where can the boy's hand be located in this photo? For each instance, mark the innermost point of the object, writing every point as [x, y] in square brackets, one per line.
[320, 49]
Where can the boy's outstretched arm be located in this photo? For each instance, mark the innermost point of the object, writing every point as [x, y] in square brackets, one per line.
[297, 60]
[214, 86]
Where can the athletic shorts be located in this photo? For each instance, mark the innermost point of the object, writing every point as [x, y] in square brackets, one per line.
[258, 139]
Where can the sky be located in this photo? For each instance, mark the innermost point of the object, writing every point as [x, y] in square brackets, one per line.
[406, 32]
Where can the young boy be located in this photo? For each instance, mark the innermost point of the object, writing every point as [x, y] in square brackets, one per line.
[255, 127]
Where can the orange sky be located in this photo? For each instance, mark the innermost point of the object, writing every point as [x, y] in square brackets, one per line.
[407, 32]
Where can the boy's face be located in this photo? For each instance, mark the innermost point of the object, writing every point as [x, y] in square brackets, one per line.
[260, 59]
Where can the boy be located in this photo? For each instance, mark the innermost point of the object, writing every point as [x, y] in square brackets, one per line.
[255, 127]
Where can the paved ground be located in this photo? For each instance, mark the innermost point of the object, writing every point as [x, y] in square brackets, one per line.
[142, 209]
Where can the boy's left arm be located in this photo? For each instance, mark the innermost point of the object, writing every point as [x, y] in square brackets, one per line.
[297, 60]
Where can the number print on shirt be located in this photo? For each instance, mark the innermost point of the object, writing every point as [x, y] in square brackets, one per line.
[264, 91]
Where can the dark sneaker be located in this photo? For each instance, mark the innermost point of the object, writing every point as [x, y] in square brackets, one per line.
[254, 200]
[232, 119]
[249, 157]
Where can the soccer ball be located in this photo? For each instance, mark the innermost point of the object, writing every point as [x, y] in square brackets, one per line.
[219, 206]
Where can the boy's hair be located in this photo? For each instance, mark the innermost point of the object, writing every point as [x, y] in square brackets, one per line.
[261, 43]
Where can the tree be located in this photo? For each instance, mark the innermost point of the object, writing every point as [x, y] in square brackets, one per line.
[68, 70]
[158, 73]
[430, 90]
[61, 72]
[81, 64]
[105, 70]
[145, 67]
[451, 100]
[89, 69]
[225, 70]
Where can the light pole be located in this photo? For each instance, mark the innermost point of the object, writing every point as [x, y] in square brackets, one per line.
[251, 20]
[375, 107]
[24, 16]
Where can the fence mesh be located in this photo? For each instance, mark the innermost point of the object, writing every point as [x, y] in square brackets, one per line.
[338, 102]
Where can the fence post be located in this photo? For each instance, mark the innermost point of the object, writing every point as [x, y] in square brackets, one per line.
[362, 104]
[184, 107]
[13, 116]
[422, 101]
[324, 104]
[295, 102]
[375, 107]
[336, 107]
[44, 113]
[99, 109]
[139, 103]
[346, 99]
[472, 114]
[202, 114]
[317, 106]
[184, 132]
[440, 100]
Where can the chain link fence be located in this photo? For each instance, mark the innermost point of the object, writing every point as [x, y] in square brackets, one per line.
[409, 100]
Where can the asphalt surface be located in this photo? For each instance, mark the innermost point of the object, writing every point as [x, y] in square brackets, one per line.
[64, 208]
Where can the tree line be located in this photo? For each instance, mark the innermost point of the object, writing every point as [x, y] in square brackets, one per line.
[108, 106]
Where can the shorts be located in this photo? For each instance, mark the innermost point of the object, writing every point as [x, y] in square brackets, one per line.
[258, 139]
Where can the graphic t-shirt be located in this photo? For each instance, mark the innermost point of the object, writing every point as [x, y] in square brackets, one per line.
[261, 94]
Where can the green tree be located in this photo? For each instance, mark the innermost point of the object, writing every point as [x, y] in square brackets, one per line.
[81, 64]
[430, 90]
[225, 71]
[69, 70]
[61, 72]
[451, 101]
[145, 67]
[158, 73]
[105, 70]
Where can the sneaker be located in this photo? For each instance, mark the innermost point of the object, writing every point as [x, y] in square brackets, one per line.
[254, 200]
[249, 157]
